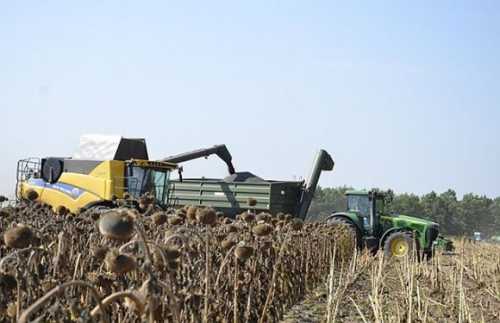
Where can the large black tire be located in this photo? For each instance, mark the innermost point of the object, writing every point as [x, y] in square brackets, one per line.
[356, 235]
[399, 245]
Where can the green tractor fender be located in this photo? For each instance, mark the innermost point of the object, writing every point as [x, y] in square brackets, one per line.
[349, 217]
[353, 221]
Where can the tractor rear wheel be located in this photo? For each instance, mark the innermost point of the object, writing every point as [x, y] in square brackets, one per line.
[350, 226]
[399, 244]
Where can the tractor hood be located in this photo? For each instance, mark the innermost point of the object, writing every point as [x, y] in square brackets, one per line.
[415, 220]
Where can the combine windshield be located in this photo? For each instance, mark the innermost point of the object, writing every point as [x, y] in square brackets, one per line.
[142, 180]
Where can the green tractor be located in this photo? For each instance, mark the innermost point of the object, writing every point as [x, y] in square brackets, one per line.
[397, 235]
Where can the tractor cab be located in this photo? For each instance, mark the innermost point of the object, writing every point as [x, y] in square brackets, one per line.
[369, 206]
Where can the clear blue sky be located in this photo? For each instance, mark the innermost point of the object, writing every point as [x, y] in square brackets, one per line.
[403, 95]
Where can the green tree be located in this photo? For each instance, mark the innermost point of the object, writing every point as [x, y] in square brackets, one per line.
[450, 217]
[408, 204]
[444, 209]
[495, 214]
[327, 201]
[476, 213]
[431, 206]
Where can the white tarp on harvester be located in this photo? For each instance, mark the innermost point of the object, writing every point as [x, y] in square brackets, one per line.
[98, 147]
[106, 147]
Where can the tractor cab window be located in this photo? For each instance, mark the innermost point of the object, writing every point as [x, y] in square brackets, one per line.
[380, 205]
[142, 180]
[359, 204]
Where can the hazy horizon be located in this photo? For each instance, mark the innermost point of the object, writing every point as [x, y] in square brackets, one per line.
[403, 96]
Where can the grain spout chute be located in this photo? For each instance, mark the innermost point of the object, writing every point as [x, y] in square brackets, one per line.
[322, 162]
[219, 150]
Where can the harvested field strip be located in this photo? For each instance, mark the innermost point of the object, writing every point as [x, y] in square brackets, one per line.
[464, 287]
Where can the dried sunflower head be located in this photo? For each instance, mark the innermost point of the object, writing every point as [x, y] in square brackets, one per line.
[243, 251]
[159, 218]
[262, 229]
[119, 263]
[206, 216]
[117, 225]
[20, 236]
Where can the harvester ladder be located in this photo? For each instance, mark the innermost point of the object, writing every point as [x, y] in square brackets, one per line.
[26, 169]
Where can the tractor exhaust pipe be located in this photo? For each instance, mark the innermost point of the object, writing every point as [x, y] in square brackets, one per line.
[322, 162]
[374, 218]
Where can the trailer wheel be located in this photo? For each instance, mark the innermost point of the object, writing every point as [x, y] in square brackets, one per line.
[399, 244]
[351, 227]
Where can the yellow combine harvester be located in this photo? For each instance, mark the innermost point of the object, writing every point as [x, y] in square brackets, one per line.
[105, 168]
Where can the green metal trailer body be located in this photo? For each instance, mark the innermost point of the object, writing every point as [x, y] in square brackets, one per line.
[232, 197]
[231, 194]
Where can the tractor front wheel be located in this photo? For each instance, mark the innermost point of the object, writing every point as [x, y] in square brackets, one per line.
[399, 245]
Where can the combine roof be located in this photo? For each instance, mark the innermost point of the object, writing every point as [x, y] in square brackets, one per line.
[111, 147]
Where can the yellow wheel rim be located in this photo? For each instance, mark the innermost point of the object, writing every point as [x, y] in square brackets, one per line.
[399, 247]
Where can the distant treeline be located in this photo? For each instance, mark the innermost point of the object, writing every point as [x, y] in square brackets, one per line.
[456, 217]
